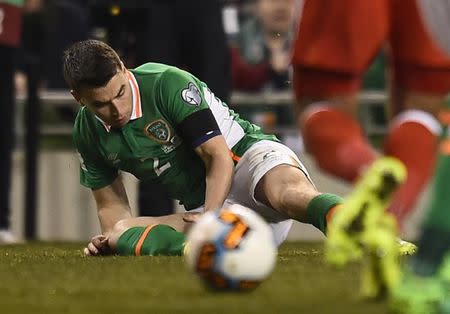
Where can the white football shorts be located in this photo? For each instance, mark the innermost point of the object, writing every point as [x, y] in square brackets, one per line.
[259, 159]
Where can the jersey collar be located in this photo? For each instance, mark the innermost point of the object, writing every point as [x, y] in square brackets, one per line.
[137, 109]
[136, 113]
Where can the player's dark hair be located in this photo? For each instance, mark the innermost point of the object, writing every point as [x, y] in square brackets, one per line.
[89, 63]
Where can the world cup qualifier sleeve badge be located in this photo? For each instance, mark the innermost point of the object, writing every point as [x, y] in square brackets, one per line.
[191, 95]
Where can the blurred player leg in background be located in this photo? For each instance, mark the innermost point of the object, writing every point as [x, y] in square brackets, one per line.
[428, 271]
[10, 25]
[421, 81]
[189, 35]
[329, 59]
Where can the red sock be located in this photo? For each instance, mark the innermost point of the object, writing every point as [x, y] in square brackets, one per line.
[413, 139]
[336, 141]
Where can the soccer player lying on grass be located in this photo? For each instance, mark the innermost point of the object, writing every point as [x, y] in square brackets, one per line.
[162, 124]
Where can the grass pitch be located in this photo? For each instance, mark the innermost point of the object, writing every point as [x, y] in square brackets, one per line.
[56, 278]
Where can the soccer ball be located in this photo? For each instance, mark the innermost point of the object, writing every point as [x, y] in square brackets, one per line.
[231, 249]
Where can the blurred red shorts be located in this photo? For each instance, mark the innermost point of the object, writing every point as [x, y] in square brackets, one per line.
[338, 39]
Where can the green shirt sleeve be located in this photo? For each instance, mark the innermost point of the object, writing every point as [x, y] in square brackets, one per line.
[181, 94]
[95, 173]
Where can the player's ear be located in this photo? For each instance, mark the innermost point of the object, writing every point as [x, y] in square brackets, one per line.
[76, 95]
[122, 66]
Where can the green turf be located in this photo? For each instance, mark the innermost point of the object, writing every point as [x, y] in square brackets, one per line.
[56, 278]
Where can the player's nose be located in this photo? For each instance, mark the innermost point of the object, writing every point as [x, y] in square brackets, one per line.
[115, 109]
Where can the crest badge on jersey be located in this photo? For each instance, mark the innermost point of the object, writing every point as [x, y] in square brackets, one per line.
[191, 95]
[159, 131]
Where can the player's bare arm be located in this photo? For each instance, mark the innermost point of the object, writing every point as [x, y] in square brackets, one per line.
[219, 171]
[112, 205]
[115, 219]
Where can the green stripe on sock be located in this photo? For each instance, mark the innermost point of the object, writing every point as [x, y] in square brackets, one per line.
[318, 208]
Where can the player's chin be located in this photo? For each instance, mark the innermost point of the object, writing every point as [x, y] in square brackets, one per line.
[119, 123]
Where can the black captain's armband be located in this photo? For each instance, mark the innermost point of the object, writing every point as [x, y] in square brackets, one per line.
[199, 127]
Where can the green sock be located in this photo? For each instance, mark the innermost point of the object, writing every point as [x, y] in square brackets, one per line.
[151, 241]
[434, 242]
[318, 208]
[439, 210]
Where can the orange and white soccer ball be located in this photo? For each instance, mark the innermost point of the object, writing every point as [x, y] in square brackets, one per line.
[231, 249]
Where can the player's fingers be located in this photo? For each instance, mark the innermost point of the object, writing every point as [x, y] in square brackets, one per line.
[104, 249]
[98, 240]
[92, 249]
[86, 252]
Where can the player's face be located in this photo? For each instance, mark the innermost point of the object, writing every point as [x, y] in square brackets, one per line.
[112, 103]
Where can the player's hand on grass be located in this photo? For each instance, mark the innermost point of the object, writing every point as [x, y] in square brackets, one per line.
[98, 246]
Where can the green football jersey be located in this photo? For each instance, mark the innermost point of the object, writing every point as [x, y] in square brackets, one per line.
[152, 145]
